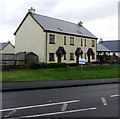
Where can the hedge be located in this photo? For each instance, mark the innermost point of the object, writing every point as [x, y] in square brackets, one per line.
[46, 65]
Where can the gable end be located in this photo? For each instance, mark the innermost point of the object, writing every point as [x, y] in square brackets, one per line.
[25, 19]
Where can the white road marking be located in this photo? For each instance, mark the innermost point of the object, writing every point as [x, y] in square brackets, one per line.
[64, 107]
[56, 113]
[104, 101]
[35, 106]
[10, 113]
[112, 96]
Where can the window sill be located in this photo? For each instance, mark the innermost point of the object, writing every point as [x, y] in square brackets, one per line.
[71, 59]
[51, 60]
[51, 43]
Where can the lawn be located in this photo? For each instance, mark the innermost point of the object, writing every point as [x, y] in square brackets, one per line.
[72, 73]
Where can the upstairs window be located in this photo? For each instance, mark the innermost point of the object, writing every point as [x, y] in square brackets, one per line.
[81, 42]
[71, 41]
[93, 43]
[85, 42]
[64, 40]
[52, 39]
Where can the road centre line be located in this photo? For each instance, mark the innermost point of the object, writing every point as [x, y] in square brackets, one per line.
[35, 106]
[112, 96]
[56, 113]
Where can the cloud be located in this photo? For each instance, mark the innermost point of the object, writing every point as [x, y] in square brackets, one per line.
[84, 10]
[92, 12]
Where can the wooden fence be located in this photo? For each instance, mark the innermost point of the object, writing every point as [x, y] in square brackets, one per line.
[21, 58]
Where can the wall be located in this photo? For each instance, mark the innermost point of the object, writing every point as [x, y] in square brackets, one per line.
[31, 38]
[59, 41]
[8, 49]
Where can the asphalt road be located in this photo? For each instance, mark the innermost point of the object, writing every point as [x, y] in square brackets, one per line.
[86, 101]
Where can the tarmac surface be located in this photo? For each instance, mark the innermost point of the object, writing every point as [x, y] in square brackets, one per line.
[17, 86]
[81, 101]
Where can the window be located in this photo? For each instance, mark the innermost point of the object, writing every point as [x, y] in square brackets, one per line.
[51, 56]
[64, 56]
[85, 42]
[93, 56]
[52, 39]
[71, 56]
[93, 43]
[64, 40]
[81, 42]
[81, 55]
[71, 41]
[85, 55]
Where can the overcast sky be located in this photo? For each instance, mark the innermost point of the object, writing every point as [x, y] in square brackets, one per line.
[99, 16]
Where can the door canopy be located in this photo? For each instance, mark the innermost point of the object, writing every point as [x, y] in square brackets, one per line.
[90, 51]
[61, 50]
[78, 51]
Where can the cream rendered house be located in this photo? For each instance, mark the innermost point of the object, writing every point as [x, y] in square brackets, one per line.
[54, 40]
[7, 48]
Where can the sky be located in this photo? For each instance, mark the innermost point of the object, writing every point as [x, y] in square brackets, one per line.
[100, 17]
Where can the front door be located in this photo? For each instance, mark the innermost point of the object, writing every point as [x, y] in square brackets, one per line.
[77, 59]
[59, 58]
[89, 58]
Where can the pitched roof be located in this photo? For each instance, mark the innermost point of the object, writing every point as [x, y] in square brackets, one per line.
[113, 46]
[60, 26]
[3, 45]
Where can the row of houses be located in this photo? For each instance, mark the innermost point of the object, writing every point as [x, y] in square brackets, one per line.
[57, 41]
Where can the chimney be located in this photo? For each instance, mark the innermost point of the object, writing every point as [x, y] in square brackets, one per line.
[101, 40]
[31, 10]
[80, 23]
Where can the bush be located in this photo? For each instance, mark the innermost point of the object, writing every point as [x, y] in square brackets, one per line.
[56, 65]
[73, 64]
[34, 66]
[46, 65]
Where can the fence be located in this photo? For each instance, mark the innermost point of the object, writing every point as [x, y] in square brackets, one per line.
[20, 58]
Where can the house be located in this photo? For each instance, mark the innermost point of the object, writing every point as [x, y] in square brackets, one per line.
[108, 48]
[54, 40]
[7, 48]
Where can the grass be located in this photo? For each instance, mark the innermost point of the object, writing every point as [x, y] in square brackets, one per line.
[73, 73]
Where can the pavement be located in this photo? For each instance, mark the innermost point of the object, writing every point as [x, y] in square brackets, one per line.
[19, 86]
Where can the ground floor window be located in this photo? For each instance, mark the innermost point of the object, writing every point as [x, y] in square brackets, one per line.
[81, 55]
[71, 56]
[64, 56]
[93, 56]
[51, 56]
[85, 56]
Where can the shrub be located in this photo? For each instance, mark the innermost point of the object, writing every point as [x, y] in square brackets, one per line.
[34, 66]
[56, 65]
[46, 65]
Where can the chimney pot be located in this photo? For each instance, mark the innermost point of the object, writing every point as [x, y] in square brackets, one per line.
[31, 10]
[80, 23]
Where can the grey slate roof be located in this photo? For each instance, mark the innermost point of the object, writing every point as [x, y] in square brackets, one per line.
[100, 47]
[112, 46]
[3, 45]
[60, 26]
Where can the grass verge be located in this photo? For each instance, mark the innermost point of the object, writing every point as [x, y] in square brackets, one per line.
[54, 74]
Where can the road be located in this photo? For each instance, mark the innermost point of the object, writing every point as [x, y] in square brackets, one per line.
[84, 101]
